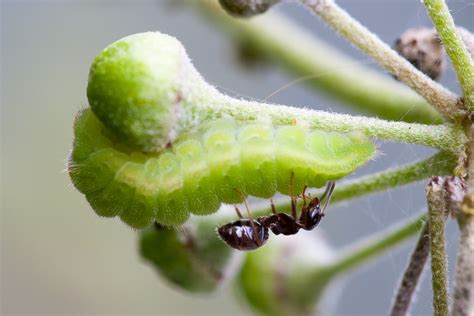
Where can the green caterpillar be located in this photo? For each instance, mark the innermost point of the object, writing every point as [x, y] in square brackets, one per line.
[154, 145]
[220, 162]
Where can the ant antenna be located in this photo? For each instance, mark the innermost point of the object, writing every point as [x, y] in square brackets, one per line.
[304, 196]
[327, 194]
[254, 228]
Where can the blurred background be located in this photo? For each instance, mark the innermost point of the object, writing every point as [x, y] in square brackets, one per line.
[59, 258]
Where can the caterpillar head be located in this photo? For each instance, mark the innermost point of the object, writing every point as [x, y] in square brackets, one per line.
[137, 88]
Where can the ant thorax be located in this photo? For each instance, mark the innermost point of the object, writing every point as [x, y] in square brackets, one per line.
[250, 234]
[280, 223]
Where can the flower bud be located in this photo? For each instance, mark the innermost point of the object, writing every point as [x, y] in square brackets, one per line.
[278, 279]
[247, 8]
[422, 48]
[136, 88]
[192, 257]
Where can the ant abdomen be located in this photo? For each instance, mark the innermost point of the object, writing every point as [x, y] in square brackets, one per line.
[244, 234]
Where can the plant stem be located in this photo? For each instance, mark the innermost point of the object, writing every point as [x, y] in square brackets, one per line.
[436, 216]
[376, 245]
[322, 66]
[445, 137]
[442, 99]
[463, 300]
[455, 48]
[439, 164]
[412, 274]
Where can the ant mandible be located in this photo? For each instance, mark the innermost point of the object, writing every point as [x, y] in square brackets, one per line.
[250, 234]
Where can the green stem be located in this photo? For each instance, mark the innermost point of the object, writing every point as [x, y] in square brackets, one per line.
[375, 246]
[463, 297]
[440, 164]
[437, 216]
[445, 137]
[455, 48]
[442, 99]
[180, 99]
[322, 66]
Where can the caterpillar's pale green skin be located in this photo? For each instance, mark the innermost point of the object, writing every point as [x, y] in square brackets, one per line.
[221, 162]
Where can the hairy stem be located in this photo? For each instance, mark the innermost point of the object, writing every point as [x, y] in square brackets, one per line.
[445, 137]
[439, 164]
[436, 216]
[442, 99]
[322, 66]
[455, 48]
[412, 275]
[463, 300]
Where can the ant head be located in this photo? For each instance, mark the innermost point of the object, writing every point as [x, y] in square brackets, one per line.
[244, 234]
[311, 214]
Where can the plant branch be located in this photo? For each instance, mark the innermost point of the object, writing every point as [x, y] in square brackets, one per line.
[445, 137]
[412, 274]
[439, 164]
[322, 66]
[455, 48]
[442, 99]
[437, 215]
[183, 100]
[463, 299]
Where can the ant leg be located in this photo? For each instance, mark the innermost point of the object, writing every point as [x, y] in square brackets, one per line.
[272, 205]
[303, 207]
[304, 197]
[292, 196]
[254, 228]
[238, 212]
[327, 194]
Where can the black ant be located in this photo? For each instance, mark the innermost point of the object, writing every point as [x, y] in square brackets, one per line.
[250, 234]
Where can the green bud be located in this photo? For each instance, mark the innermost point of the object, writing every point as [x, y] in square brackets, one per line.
[192, 257]
[286, 277]
[135, 88]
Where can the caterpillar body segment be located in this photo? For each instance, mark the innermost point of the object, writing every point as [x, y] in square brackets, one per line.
[221, 162]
